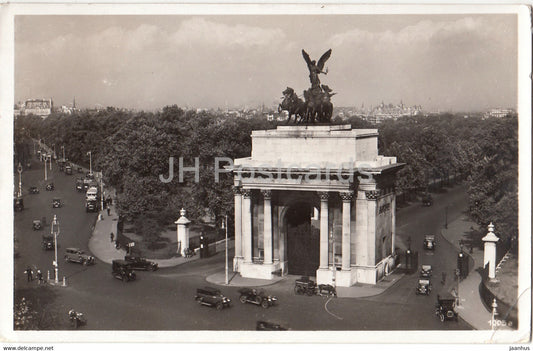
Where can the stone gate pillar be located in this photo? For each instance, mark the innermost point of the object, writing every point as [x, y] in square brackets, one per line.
[267, 227]
[247, 225]
[238, 227]
[324, 228]
[490, 251]
[346, 233]
[183, 232]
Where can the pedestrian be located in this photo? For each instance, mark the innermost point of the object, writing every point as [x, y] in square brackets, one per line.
[29, 274]
[108, 211]
[117, 245]
[39, 276]
[112, 236]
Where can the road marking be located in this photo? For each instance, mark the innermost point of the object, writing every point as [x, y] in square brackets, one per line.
[326, 308]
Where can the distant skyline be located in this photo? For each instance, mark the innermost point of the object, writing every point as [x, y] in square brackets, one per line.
[442, 62]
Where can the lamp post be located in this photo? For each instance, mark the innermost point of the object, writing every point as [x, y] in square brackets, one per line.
[225, 226]
[50, 160]
[55, 224]
[19, 169]
[45, 174]
[63, 148]
[334, 266]
[446, 217]
[90, 162]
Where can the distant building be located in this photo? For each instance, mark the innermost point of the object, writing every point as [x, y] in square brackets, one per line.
[38, 107]
[384, 112]
[498, 112]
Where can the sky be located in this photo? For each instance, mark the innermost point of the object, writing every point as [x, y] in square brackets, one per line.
[465, 62]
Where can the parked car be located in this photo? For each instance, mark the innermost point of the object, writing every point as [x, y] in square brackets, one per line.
[262, 325]
[50, 187]
[423, 287]
[140, 263]
[18, 204]
[56, 203]
[76, 255]
[426, 270]
[34, 190]
[257, 297]
[68, 170]
[429, 242]
[121, 269]
[212, 297]
[91, 205]
[79, 184]
[305, 286]
[47, 242]
[445, 309]
[37, 224]
[89, 176]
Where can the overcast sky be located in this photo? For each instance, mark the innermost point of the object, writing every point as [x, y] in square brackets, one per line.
[442, 62]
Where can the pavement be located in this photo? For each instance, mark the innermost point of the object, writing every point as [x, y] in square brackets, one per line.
[470, 308]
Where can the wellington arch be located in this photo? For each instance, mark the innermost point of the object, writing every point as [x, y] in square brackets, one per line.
[316, 201]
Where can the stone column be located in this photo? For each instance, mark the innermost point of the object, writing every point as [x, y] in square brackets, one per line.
[267, 227]
[324, 228]
[393, 222]
[247, 225]
[490, 251]
[346, 233]
[183, 232]
[238, 221]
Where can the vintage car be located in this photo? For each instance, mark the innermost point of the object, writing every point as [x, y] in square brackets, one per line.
[61, 165]
[445, 308]
[211, 297]
[263, 325]
[50, 187]
[80, 170]
[56, 203]
[257, 297]
[326, 290]
[423, 287]
[140, 263]
[305, 286]
[426, 270]
[79, 184]
[37, 224]
[47, 242]
[68, 170]
[427, 200]
[18, 204]
[34, 190]
[91, 205]
[429, 242]
[89, 176]
[121, 269]
[76, 255]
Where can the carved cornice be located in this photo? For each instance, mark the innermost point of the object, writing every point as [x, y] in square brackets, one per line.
[267, 194]
[346, 196]
[324, 195]
[372, 194]
[247, 193]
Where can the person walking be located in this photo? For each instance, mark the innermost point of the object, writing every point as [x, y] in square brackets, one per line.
[29, 274]
[39, 276]
[112, 236]
[108, 211]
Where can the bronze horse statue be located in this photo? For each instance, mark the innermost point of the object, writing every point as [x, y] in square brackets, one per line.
[319, 106]
[293, 105]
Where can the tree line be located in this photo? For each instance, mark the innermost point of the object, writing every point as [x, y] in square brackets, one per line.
[133, 148]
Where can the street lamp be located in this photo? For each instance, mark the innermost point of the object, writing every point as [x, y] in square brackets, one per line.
[63, 148]
[90, 162]
[334, 267]
[55, 224]
[19, 169]
[45, 174]
[50, 159]
[225, 226]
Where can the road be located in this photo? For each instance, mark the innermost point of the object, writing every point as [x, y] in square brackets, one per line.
[163, 300]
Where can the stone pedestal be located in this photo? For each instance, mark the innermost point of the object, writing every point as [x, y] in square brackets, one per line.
[183, 233]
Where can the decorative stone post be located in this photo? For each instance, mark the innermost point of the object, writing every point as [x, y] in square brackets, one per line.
[490, 251]
[183, 232]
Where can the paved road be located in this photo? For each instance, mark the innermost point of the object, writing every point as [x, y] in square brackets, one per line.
[163, 300]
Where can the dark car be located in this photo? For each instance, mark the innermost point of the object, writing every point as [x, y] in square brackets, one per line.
[56, 203]
[34, 190]
[50, 187]
[212, 297]
[262, 325]
[427, 200]
[18, 204]
[89, 176]
[68, 170]
[429, 242]
[76, 255]
[47, 242]
[305, 286]
[79, 184]
[37, 224]
[445, 309]
[257, 297]
[423, 287]
[121, 269]
[140, 263]
[91, 206]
